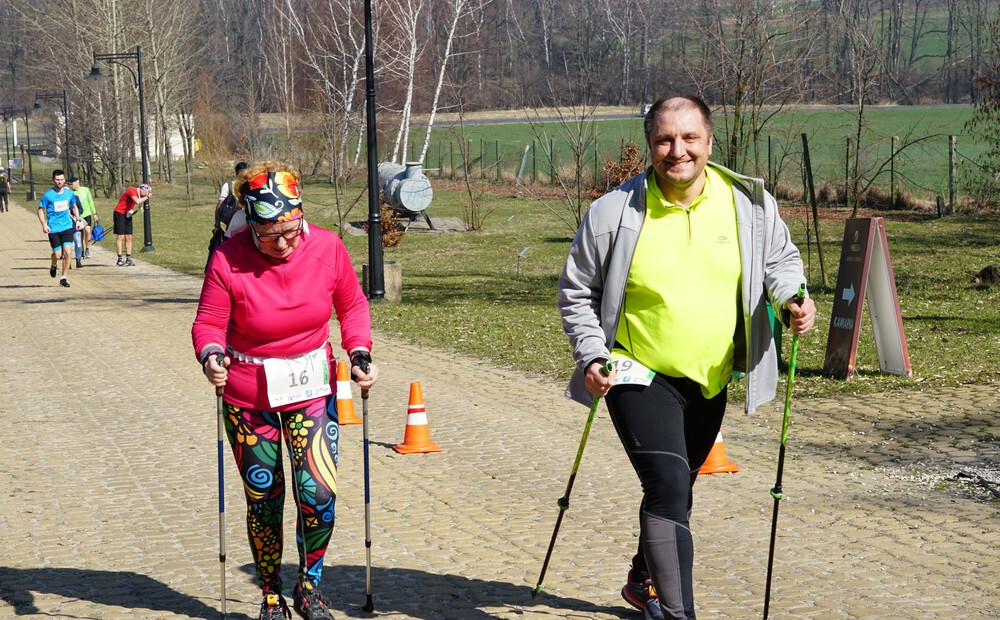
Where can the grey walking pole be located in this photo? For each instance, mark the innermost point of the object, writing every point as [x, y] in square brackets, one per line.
[776, 490]
[220, 409]
[369, 604]
[563, 502]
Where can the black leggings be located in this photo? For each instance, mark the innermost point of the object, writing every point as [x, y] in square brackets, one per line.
[667, 428]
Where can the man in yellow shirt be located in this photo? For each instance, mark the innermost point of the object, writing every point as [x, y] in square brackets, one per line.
[671, 273]
[87, 212]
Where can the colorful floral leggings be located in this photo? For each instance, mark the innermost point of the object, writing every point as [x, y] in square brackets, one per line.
[311, 434]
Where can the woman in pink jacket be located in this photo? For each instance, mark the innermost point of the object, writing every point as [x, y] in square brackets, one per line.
[265, 311]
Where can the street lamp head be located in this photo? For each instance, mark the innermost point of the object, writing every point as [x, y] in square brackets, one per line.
[38, 107]
[95, 79]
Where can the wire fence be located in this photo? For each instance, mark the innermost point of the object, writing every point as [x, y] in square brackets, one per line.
[916, 168]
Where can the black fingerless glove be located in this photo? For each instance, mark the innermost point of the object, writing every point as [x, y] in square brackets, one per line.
[361, 359]
[209, 352]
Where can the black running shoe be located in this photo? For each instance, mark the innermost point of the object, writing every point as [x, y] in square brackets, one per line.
[640, 593]
[64, 282]
[129, 262]
[52, 271]
[309, 602]
[274, 607]
[79, 263]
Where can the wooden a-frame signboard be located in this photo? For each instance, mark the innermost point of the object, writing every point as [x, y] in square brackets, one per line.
[866, 273]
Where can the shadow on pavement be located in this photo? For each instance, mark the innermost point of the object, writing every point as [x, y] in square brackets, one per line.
[415, 593]
[420, 594]
[112, 588]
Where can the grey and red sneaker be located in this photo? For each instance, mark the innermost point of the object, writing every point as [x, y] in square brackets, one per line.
[274, 607]
[639, 592]
[309, 603]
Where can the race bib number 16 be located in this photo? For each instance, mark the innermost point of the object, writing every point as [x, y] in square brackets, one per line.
[297, 379]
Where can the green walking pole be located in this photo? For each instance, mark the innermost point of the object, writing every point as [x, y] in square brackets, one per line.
[776, 491]
[563, 502]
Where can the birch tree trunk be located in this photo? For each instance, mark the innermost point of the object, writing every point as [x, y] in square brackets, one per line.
[459, 9]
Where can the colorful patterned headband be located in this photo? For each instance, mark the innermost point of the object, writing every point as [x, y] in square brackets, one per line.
[272, 197]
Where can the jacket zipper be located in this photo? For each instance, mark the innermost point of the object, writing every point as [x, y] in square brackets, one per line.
[621, 300]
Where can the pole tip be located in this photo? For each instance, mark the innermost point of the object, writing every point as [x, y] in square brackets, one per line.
[369, 605]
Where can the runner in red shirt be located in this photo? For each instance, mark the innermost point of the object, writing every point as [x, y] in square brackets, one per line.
[128, 204]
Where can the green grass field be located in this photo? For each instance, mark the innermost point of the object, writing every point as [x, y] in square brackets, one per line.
[462, 292]
[921, 162]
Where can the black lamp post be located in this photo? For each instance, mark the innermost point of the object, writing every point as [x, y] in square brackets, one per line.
[27, 139]
[97, 78]
[9, 114]
[61, 98]
[376, 277]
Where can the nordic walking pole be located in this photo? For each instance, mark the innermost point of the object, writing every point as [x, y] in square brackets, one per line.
[563, 502]
[220, 409]
[776, 491]
[369, 604]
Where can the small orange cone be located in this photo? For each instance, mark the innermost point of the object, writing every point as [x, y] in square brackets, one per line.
[717, 461]
[345, 406]
[417, 437]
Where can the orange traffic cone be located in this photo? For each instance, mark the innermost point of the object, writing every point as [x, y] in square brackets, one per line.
[417, 437]
[717, 461]
[345, 406]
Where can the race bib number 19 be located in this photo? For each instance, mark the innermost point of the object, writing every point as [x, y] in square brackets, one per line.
[297, 379]
[631, 372]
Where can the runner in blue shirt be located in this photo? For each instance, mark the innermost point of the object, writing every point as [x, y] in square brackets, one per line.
[59, 215]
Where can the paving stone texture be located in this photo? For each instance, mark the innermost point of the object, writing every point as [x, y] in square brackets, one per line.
[110, 509]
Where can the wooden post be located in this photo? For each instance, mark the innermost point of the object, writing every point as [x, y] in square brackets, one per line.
[552, 163]
[892, 171]
[451, 167]
[847, 173]
[497, 147]
[482, 158]
[770, 167]
[815, 210]
[597, 156]
[952, 180]
[534, 167]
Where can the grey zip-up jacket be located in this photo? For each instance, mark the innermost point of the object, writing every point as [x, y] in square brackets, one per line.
[592, 284]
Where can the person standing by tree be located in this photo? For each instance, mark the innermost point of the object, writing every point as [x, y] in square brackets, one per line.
[227, 206]
[58, 215]
[229, 217]
[87, 212]
[4, 190]
[131, 200]
[672, 271]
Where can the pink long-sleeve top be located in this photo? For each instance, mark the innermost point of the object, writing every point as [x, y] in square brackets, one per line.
[265, 307]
